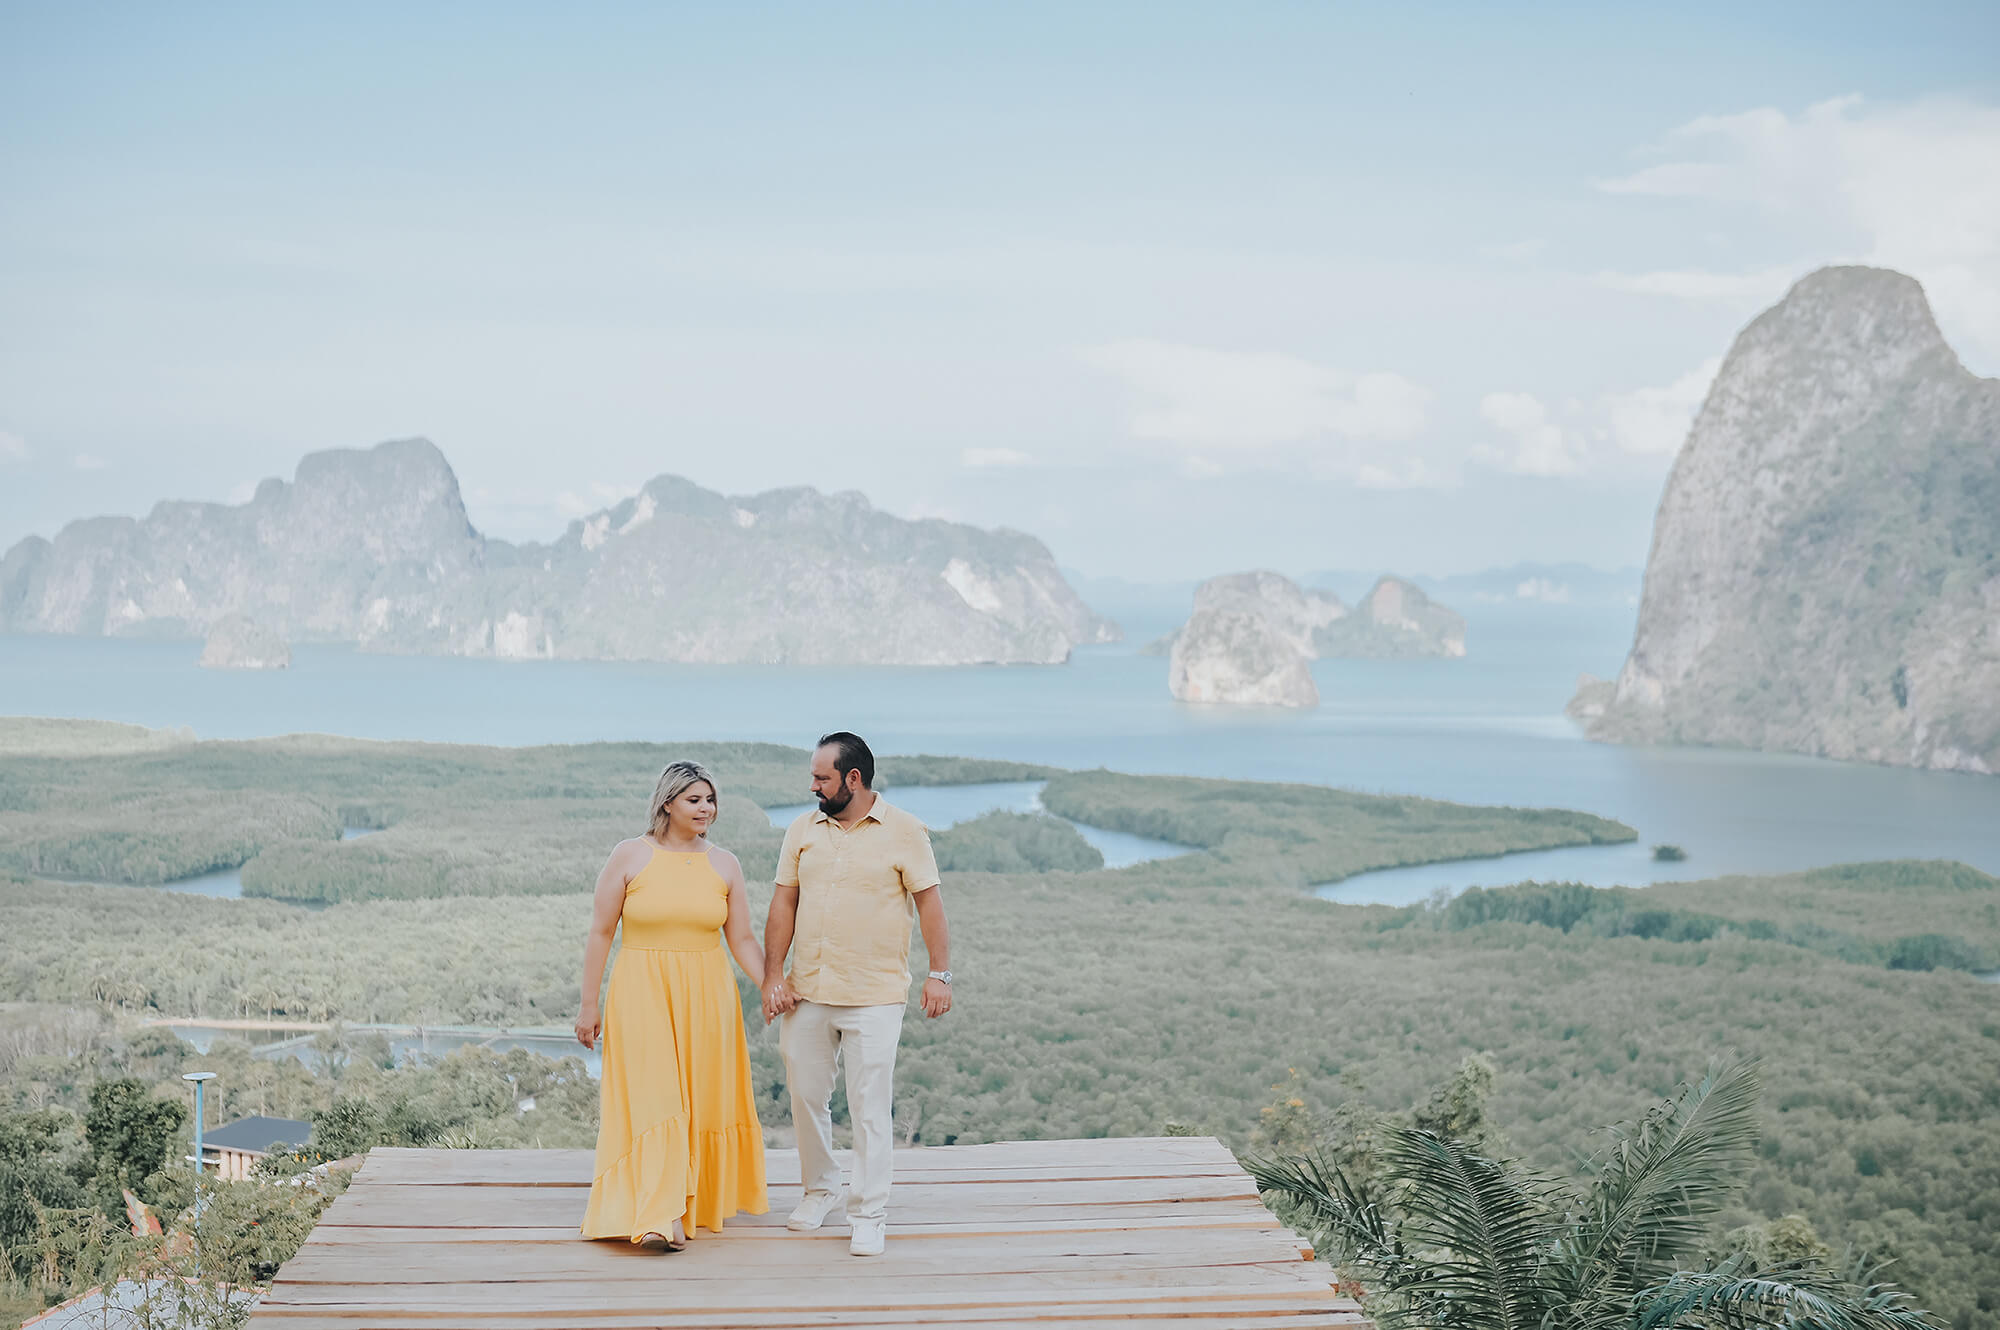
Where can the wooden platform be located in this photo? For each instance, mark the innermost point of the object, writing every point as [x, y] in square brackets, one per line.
[1079, 1233]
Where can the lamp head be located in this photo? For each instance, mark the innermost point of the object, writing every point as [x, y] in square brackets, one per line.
[197, 1075]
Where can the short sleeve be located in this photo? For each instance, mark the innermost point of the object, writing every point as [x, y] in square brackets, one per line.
[918, 863]
[788, 856]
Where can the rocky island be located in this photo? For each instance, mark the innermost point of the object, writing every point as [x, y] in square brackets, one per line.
[1253, 636]
[1394, 620]
[1249, 642]
[237, 643]
[1825, 568]
[373, 547]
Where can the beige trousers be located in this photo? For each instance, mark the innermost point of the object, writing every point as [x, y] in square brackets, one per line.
[812, 1039]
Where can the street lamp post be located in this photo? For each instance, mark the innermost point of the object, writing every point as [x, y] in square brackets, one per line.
[200, 1078]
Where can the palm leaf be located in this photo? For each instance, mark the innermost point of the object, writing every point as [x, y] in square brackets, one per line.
[1346, 1217]
[1660, 1185]
[1733, 1296]
[1484, 1229]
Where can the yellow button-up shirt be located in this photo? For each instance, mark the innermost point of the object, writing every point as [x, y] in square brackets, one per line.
[851, 946]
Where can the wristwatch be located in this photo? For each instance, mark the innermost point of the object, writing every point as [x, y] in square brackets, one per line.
[942, 976]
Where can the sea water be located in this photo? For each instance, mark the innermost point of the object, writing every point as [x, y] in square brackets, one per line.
[1485, 729]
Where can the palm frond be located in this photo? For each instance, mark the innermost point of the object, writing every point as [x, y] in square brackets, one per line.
[1661, 1183]
[1347, 1218]
[1735, 1297]
[1484, 1229]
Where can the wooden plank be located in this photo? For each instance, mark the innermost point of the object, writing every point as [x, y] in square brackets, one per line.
[771, 1227]
[992, 1157]
[574, 1167]
[548, 1207]
[919, 1171]
[1209, 1316]
[826, 1255]
[1256, 1315]
[890, 1290]
[903, 1219]
[793, 1295]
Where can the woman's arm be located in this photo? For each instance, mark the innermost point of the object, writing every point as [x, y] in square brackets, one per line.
[606, 905]
[736, 929]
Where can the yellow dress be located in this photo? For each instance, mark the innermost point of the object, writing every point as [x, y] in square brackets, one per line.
[677, 1132]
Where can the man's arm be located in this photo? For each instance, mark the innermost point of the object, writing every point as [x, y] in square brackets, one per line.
[779, 925]
[937, 942]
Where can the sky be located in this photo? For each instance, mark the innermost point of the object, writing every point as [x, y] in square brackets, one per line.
[1180, 289]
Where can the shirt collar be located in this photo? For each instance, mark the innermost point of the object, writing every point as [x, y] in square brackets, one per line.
[874, 814]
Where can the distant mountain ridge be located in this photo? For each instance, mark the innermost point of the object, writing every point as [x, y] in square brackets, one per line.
[1520, 584]
[374, 547]
[1825, 570]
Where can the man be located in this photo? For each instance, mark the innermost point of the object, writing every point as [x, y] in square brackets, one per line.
[851, 874]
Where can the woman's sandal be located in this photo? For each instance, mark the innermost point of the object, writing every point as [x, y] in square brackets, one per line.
[661, 1242]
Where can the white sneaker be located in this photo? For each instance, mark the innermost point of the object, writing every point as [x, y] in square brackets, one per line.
[811, 1212]
[870, 1237]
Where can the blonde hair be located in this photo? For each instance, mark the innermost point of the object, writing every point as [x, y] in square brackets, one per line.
[674, 782]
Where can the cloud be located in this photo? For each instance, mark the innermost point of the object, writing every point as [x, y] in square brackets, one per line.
[1745, 289]
[1911, 186]
[1654, 421]
[1211, 399]
[571, 505]
[1215, 412]
[928, 510]
[1540, 446]
[1406, 473]
[13, 448]
[243, 492]
[86, 462]
[1646, 423]
[981, 458]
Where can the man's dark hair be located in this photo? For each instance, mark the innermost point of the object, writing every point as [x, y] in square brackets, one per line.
[851, 753]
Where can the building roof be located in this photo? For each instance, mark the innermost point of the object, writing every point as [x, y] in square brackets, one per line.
[258, 1134]
[123, 1302]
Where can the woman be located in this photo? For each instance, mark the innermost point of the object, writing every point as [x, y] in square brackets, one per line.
[678, 1143]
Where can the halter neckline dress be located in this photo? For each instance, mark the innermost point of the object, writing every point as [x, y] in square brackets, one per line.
[677, 1133]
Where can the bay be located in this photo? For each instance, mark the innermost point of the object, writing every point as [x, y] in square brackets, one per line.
[1485, 729]
[227, 883]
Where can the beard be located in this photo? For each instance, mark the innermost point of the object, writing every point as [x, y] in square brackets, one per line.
[836, 804]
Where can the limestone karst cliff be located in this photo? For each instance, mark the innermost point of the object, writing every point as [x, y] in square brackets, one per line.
[1825, 568]
[374, 547]
[1394, 620]
[1249, 642]
[1253, 636]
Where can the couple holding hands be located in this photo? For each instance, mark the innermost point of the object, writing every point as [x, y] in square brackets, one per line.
[678, 1141]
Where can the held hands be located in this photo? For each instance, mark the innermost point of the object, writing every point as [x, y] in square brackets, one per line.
[937, 998]
[779, 999]
[589, 1025]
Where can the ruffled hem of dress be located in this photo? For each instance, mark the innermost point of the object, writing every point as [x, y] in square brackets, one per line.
[725, 1178]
